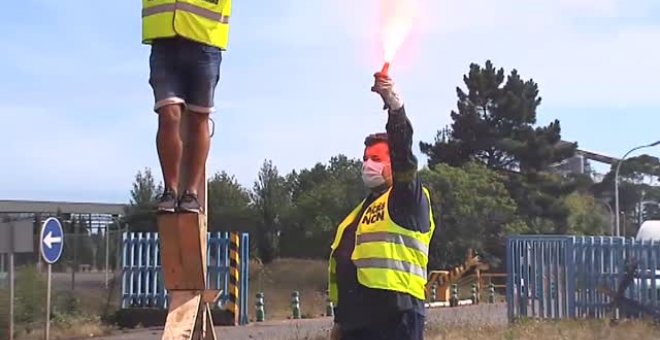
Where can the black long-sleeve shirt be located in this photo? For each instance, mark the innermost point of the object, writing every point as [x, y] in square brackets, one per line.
[358, 305]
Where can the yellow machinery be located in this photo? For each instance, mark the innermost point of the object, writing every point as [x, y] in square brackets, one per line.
[443, 279]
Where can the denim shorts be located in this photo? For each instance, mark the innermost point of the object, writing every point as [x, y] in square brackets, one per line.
[184, 72]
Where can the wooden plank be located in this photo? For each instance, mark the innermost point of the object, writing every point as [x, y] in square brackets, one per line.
[203, 242]
[203, 219]
[182, 251]
[211, 295]
[182, 315]
[209, 330]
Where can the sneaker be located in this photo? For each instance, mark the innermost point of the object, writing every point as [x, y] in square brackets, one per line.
[189, 203]
[167, 202]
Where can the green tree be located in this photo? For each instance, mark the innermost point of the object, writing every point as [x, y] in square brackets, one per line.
[30, 290]
[473, 210]
[270, 199]
[651, 211]
[140, 214]
[229, 204]
[494, 125]
[541, 200]
[321, 198]
[637, 177]
[587, 216]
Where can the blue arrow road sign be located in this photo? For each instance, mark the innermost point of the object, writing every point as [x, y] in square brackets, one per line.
[51, 240]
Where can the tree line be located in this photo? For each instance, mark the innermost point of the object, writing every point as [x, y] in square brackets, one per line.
[492, 172]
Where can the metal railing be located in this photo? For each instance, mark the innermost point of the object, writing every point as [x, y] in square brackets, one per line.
[558, 277]
[142, 280]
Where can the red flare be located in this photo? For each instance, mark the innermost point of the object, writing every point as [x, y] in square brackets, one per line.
[386, 68]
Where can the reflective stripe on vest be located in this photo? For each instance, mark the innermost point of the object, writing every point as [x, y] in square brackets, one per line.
[387, 256]
[197, 20]
[402, 266]
[186, 7]
[393, 238]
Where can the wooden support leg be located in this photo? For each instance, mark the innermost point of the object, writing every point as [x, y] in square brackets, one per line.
[189, 315]
[183, 256]
[182, 316]
[208, 297]
[208, 332]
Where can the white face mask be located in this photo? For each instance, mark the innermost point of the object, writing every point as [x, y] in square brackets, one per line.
[372, 173]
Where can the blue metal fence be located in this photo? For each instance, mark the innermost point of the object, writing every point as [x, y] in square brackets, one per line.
[556, 277]
[142, 279]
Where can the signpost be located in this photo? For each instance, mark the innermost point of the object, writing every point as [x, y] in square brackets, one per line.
[15, 237]
[51, 244]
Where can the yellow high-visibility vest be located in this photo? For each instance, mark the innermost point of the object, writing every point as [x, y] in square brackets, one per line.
[387, 256]
[204, 21]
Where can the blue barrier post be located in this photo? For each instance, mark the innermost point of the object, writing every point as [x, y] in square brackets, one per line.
[245, 279]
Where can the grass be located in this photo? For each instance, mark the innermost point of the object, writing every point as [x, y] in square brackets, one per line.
[279, 279]
[72, 314]
[71, 327]
[592, 329]
[562, 330]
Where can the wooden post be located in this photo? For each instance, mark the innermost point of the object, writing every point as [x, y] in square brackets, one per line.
[183, 250]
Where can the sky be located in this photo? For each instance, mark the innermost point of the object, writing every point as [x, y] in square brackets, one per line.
[76, 119]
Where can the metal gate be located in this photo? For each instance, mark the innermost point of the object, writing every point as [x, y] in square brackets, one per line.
[142, 279]
[557, 277]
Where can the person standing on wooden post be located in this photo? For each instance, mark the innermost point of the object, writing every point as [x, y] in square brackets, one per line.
[187, 38]
[378, 262]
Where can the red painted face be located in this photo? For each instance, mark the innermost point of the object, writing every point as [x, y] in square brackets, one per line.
[380, 152]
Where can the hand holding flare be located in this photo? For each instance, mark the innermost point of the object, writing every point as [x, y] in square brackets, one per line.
[398, 17]
[384, 86]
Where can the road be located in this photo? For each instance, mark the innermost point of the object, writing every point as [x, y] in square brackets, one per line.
[312, 329]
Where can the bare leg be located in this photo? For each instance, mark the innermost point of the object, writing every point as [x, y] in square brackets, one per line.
[199, 143]
[169, 145]
[202, 75]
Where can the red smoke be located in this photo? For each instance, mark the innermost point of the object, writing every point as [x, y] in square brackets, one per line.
[397, 21]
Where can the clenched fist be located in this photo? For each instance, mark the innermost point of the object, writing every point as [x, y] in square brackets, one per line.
[384, 86]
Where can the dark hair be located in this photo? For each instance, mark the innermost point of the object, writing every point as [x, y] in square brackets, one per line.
[375, 138]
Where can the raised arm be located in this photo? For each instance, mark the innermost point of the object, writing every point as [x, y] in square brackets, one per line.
[399, 134]
[408, 205]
